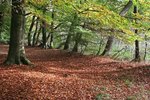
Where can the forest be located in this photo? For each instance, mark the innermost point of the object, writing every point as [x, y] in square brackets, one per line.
[74, 50]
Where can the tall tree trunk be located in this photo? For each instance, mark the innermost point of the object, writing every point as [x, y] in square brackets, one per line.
[38, 34]
[126, 8]
[145, 51]
[16, 53]
[137, 48]
[66, 45]
[73, 24]
[35, 32]
[108, 46]
[50, 35]
[30, 30]
[1, 23]
[52, 31]
[44, 43]
[110, 38]
[77, 41]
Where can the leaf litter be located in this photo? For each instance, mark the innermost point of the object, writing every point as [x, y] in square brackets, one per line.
[61, 75]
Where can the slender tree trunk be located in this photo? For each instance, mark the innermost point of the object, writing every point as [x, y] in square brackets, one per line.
[44, 43]
[16, 53]
[108, 46]
[52, 31]
[1, 23]
[38, 34]
[145, 52]
[126, 8]
[35, 32]
[77, 41]
[137, 48]
[50, 35]
[73, 24]
[99, 48]
[30, 30]
[66, 46]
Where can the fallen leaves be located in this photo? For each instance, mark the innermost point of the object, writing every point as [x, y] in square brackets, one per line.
[58, 75]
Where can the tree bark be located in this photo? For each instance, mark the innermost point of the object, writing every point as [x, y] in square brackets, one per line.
[16, 53]
[77, 41]
[52, 31]
[126, 8]
[73, 24]
[44, 43]
[35, 32]
[1, 23]
[30, 30]
[110, 38]
[137, 48]
[66, 46]
[108, 46]
[38, 34]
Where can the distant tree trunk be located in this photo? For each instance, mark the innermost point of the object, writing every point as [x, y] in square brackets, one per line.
[44, 43]
[100, 45]
[73, 24]
[1, 23]
[108, 46]
[77, 41]
[30, 30]
[126, 8]
[110, 38]
[66, 46]
[35, 32]
[52, 31]
[137, 49]
[16, 53]
[145, 52]
[50, 35]
[38, 34]
[137, 52]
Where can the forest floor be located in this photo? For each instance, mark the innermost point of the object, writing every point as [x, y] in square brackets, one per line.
[60, 75]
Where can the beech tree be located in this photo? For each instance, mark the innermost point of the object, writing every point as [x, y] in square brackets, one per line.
[1, 22]
[137, 51]
[16, 53]
[111, 38]
[1, 15]
[30, 30]
[73, 24]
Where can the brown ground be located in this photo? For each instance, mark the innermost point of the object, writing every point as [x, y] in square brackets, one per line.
[59, 75]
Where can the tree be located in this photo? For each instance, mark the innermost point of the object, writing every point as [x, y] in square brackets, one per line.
[16, 53]
[110, 38]
[35, 32]
[52, 30]
[74, 23]
[44, 44]
[108, 46]
[30, 30]
[1, 18]
[137, 51]
[1, 22]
